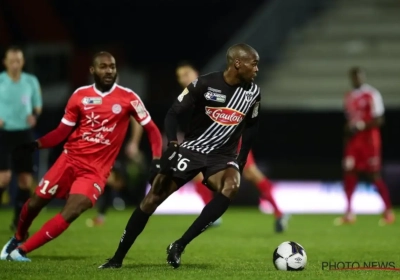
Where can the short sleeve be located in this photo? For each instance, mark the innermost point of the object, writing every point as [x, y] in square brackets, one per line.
[189, 96]
[36, 93]
[254, 110]
[71, 114]
[139, 111]
[377, 107]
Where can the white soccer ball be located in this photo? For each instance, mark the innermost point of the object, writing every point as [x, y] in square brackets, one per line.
[289, 256]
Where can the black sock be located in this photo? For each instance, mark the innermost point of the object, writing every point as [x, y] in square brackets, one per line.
[22, 196]
[105, 201]
[134, 227]
[211, 212]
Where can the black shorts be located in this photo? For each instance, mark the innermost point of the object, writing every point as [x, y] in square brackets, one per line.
[192, 163]
[8, 141]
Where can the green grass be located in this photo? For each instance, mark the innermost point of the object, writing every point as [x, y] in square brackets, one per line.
[239, 249]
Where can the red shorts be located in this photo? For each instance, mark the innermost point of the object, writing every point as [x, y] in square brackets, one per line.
[362, 156]
[250, 160]
[65, 178]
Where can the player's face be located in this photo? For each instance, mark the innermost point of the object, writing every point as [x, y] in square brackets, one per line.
[104, 71]
[14, 61]
[248, 68]
[357, 79]
[186, 75]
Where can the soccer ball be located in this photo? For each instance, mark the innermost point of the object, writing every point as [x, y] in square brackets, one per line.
[289, 256]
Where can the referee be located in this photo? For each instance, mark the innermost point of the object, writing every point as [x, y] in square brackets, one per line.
[20, 105]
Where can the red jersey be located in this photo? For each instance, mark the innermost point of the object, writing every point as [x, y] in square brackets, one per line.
[102, 120]
[364, 104]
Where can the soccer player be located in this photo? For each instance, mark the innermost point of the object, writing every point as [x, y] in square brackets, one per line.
[365, 115]
[20, 106]
[102, 113]
[225, 106]
[186, 73]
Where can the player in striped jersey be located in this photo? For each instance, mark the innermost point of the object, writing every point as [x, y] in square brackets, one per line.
[186, 73]
[225, 108]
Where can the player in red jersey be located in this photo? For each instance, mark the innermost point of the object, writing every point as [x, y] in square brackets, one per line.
[186, 73]
[102, 113]
[365, 115]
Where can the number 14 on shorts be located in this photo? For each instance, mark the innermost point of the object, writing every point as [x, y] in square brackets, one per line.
[45, 188]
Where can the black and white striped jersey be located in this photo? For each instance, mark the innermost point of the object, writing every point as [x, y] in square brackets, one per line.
[219, 113]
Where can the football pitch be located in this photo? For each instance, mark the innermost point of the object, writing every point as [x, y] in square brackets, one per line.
[241, 248]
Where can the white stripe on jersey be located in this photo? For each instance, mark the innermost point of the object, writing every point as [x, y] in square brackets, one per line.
[216, 134]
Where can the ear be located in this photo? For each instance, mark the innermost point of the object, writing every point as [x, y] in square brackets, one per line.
[237, 63]
[91, 69]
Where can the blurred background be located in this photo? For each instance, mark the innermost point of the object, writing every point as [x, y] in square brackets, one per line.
[306, 49]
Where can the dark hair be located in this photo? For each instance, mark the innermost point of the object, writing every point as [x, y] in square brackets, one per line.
[186, 63]
[13, 49]
[355, 70]
[98, 54]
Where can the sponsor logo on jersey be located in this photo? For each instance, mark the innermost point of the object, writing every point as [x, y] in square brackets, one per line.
[92, 101]
[116, 108]
[217, 97]
[224, 116]
[139, 108]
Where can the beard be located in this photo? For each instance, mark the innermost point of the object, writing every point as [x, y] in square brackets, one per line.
[99, 82]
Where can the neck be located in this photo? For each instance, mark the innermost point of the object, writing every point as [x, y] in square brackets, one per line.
[103, 88]
[14, 76]
[230, 77]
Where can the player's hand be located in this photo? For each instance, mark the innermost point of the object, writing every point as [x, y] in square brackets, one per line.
[154, 169]
[1, 123]
[169, 158]
[132, 150]
[24, 149]
[31, 120]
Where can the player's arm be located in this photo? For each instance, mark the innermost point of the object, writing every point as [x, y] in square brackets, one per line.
[377, 113]
[37, 101]
[142, 116]
[132, 147]
[66, 126]
[250, 131]
[185, 101]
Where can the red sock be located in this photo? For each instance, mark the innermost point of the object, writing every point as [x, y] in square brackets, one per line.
[25, 220]
[49, 231]
[384, 192]
[265, 188]
[204, 192]
[350, 183]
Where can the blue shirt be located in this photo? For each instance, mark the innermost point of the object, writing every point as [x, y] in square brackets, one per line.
[18, 99]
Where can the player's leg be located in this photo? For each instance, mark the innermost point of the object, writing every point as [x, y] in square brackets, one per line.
[23, 167]
[258, 179]
[29, 212]
[350, 165]
[162, 187]
[205, 193]
[5, 163]
[225, 182]
[105, 201]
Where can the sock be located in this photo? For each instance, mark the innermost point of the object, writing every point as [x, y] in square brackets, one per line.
[204, 192]
[211, 212]
[25, 220]
[134, 227]
[384, 192]
[265, 188]
[105, 201]
[350, 183]
[22, 196]
[48, 232]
